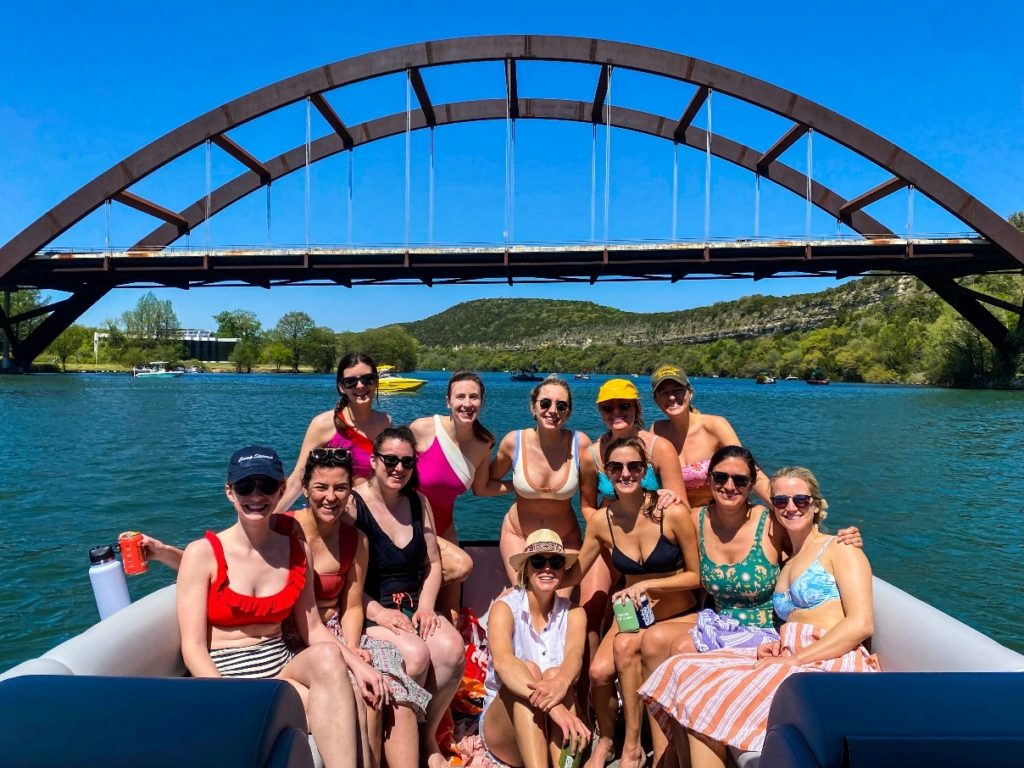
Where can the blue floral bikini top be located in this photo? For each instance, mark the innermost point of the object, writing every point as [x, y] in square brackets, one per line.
[812, 588]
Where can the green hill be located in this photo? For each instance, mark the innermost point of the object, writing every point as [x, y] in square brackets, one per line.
[879, 329]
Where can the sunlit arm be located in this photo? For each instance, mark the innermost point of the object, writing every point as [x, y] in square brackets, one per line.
[197, 571]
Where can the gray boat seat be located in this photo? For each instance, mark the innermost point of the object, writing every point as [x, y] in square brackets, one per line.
[827, 720]
[62, 720]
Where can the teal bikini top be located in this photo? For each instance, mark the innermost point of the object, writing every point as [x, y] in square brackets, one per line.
[812, 588]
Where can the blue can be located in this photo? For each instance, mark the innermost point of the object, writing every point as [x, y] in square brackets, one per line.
[645, 614]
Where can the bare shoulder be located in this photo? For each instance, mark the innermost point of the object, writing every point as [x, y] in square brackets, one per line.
[322, 426]
[423, 429]
[846, 557]
[577, 615]
[584, 441]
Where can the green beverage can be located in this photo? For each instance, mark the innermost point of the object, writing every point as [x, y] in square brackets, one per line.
[567, 759]
[625, 615]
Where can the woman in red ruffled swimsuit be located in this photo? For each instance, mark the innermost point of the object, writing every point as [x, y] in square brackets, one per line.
[236, 587]
[352, 424]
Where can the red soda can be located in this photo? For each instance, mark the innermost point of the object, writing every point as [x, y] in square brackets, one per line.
[133, 556]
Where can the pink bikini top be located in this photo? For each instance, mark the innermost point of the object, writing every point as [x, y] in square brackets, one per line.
[695, 475]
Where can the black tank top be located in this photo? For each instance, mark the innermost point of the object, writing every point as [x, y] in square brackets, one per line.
[394, 576]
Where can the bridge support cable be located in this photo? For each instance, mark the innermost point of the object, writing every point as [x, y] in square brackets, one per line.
[910, 211]
[675, 191]
[270, 231]
[607, 152]
[107, 226]
[707, 172]
[810, 176]
[593, 183]
[757, 204]
[209, 192]
[349, 201]
[430, 191]
[308, 197]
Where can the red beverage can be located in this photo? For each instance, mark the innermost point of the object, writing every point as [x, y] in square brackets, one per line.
[133, 556]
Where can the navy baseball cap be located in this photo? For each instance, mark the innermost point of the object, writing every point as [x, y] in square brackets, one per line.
[255, 460]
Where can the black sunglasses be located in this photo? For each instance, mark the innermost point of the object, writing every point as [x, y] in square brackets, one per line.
[391, 461]
[555, 562]
[560, 405]
[367, 380]
[800, 501]
[721, 478]
[247, 486]
[613, 407]
[331, 455]
[616, 467]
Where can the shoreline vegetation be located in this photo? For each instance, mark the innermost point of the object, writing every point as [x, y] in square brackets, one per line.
[879, 330]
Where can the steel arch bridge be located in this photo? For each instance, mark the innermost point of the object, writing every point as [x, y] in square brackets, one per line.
[24, 261]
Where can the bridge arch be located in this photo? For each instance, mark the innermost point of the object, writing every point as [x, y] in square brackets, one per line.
[906, 170]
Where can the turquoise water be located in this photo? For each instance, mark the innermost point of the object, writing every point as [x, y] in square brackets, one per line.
[932, 477]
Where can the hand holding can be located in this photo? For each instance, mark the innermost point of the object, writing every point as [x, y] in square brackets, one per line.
[133, 556]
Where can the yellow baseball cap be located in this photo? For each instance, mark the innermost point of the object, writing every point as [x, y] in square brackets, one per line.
[617, 389]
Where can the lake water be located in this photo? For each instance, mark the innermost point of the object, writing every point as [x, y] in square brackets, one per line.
[933, 477]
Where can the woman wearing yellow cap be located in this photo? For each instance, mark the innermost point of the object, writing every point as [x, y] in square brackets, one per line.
[619, 404]
[695, 436]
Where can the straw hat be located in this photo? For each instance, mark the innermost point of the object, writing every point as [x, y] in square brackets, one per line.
[543, 541]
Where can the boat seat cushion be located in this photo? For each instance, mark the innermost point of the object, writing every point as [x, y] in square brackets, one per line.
[61, 720]
[931, 719]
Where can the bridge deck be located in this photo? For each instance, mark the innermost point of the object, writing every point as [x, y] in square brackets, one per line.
[190, 267]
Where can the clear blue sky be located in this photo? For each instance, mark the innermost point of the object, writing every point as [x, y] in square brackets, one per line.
[84, 85]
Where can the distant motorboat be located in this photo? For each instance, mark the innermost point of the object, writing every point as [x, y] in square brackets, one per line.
[388, 383]
[582, 376]
[528, 373]
[816, 378]
[764, 378]
[791, 377]
[155, 370]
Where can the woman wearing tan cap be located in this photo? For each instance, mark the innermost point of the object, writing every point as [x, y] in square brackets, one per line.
[694, 435]
[536, 642]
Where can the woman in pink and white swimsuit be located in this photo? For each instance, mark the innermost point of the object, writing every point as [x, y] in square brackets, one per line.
[454, 453]
[694, 435]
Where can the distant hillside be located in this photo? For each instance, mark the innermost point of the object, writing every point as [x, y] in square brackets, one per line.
[523, 324]
[875, 329]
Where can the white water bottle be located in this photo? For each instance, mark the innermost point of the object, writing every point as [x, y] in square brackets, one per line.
[108, 583]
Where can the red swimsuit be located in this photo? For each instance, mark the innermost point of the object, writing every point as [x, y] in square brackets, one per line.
[227, 608]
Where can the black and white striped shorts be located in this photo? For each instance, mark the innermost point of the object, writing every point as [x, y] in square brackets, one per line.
[264, 659]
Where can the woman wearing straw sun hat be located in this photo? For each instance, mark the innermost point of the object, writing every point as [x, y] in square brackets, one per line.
[536, 640]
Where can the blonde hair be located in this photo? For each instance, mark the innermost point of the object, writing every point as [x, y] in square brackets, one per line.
[802, 473]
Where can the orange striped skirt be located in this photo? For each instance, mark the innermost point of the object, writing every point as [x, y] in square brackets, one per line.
[721, 695]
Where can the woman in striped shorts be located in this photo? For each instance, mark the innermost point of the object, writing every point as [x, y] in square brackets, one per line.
[236, 587]
[706, 701]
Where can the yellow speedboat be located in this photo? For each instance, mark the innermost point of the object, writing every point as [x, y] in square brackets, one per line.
[388, 383]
